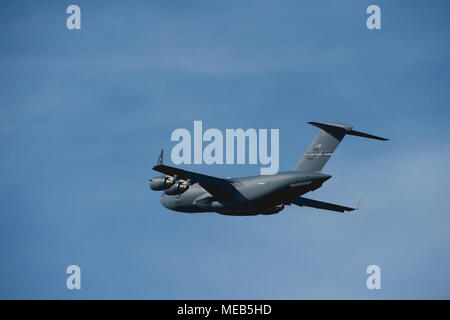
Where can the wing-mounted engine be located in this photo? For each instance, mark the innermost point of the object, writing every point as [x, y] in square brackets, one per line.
[179, 187]
[161, 183]
[172, 184]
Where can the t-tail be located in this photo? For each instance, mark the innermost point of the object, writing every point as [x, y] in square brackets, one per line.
[324, 144]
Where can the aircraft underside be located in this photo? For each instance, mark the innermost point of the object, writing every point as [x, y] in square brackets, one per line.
[191, 202]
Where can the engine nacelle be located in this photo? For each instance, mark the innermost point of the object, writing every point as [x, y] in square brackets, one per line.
[178, 188]
[161, 183]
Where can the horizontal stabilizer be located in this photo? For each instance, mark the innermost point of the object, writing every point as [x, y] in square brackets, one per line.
[305, 202]
[344, 128]
[365, 135]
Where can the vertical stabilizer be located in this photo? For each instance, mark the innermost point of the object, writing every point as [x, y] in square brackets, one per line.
[324, 144]
[322, 147]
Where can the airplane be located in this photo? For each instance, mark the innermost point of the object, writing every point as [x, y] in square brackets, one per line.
[191, 192]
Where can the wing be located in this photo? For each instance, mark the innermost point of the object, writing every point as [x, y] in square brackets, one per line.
[220, 188]
[300, 201]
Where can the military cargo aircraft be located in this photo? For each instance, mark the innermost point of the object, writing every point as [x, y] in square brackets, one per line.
[191, 192]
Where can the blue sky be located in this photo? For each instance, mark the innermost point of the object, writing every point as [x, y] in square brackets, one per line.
[83, 115]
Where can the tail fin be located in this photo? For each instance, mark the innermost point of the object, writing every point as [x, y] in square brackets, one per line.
[324, 144]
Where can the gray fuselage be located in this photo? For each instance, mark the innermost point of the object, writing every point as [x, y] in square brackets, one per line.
[252, 195]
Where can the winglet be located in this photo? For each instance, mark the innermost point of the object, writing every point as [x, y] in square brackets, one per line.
[357, 204]
[160, 158]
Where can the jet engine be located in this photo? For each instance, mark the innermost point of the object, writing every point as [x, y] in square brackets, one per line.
[178, 188]
[161, 183]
